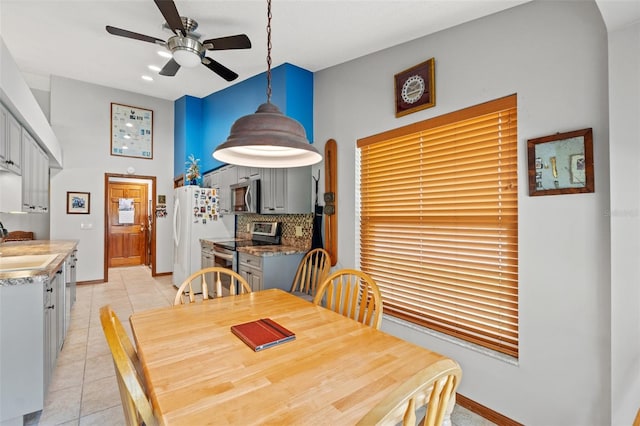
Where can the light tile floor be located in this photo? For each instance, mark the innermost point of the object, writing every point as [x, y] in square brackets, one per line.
[83, 390]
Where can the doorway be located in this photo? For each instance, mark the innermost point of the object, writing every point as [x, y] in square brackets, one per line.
[129, 226]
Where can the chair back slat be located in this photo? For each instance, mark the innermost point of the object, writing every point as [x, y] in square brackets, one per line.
[433, 388]
[352, 293]
[131, 384]
[185, 291]
[312, 270]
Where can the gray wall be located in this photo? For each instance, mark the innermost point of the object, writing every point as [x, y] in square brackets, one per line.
[624, 110]
[554, 56]
[80, 117]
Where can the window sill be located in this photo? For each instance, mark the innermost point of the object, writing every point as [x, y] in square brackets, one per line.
[453, 340]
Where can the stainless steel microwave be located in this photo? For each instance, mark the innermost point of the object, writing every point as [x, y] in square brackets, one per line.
[245, 197]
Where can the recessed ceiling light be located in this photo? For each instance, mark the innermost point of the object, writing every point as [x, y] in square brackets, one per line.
[154, 68]
[146, 77]
[165, 54]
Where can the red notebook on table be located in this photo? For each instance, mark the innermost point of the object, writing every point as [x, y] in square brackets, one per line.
[261, 334]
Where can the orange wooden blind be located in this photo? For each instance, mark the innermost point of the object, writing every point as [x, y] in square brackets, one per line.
[439, 222]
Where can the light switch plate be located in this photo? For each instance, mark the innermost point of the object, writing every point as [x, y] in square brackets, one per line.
[298, 231]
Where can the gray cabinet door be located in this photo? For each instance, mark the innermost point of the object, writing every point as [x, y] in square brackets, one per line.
[21, 349]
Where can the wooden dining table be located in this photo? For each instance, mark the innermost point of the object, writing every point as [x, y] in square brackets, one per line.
[197, 372]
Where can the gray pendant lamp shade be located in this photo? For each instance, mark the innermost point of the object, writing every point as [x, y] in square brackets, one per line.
[267, 138]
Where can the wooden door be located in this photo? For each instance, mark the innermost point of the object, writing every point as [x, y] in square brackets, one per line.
[127, 236]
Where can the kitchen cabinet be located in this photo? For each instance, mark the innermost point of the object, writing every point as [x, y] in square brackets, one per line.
[10, 142]
[35, 176]
[250, 268]
[28, 345]
[53, 324]
[33, 324]
[228, 176]
[4, 149]
[273, 271]
[286, 191]
[248, 173]
[70, 287]
[211, 179]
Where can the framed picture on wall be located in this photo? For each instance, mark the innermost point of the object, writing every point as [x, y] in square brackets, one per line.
[131, 131]
[561, 163]
[78, 202]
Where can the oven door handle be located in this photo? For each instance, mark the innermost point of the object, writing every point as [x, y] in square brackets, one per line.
[223, 255]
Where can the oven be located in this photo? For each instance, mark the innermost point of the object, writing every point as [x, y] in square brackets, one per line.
[224, 253]
[222, 257]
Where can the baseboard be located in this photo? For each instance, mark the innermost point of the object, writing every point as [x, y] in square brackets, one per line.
[90, 282]
[485, 412]
[162, 274]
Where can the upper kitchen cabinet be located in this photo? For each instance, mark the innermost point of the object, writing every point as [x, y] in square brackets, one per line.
[35, 176]
[286, 191]
[228, 175]
[10, 142]
[248, 173]
[25, 187]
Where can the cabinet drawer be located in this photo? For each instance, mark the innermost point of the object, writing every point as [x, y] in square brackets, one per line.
[250, 260]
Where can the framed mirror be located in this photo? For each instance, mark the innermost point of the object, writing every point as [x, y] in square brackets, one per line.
[561, 163]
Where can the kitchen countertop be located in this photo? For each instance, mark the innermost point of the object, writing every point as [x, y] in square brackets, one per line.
[274, 250]
[268, 250]
[63, 248]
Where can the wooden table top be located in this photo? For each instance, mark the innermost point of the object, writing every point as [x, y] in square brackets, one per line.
[334, 372]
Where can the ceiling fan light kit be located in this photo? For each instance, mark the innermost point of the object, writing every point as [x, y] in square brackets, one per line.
[187, 52]
[267, 138]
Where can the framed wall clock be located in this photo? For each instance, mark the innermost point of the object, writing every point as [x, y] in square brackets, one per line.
[415, 88]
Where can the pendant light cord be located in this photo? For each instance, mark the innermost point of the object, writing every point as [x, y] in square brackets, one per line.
[268, 51]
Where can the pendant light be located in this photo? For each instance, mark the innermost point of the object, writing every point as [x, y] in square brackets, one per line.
[267, 138]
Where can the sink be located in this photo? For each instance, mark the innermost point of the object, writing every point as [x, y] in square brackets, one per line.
[29, 261]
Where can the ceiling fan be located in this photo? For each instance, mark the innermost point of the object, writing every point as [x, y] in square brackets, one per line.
[185, 45]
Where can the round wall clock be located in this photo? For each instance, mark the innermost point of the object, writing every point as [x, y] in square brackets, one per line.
[414, 88]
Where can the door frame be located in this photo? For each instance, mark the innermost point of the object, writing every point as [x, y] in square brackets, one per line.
[151, 211]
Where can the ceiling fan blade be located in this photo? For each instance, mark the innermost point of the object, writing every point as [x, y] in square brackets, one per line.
[219, 69]
[130, 34]
[171, 15]
[170, 69]
[240, 41]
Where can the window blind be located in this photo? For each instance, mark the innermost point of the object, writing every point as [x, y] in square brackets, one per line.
[439, 222]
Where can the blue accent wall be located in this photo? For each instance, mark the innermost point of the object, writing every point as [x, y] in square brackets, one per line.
[187, 132]
[203, 124]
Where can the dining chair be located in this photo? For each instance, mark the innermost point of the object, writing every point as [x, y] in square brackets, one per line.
[135, 402]
[200, 279]
[431, 390]
[312, 270]
[352, 293]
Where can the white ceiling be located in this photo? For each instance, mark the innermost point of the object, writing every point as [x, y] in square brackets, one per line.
[68, 37]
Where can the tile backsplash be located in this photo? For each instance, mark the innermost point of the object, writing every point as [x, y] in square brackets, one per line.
[289, 224]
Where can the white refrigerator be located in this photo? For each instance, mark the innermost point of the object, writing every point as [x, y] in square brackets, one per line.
[195, 216]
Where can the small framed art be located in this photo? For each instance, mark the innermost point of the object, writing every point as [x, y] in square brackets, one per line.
[131, 131]
[78, 202]
[561, 163]
[415, 88]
